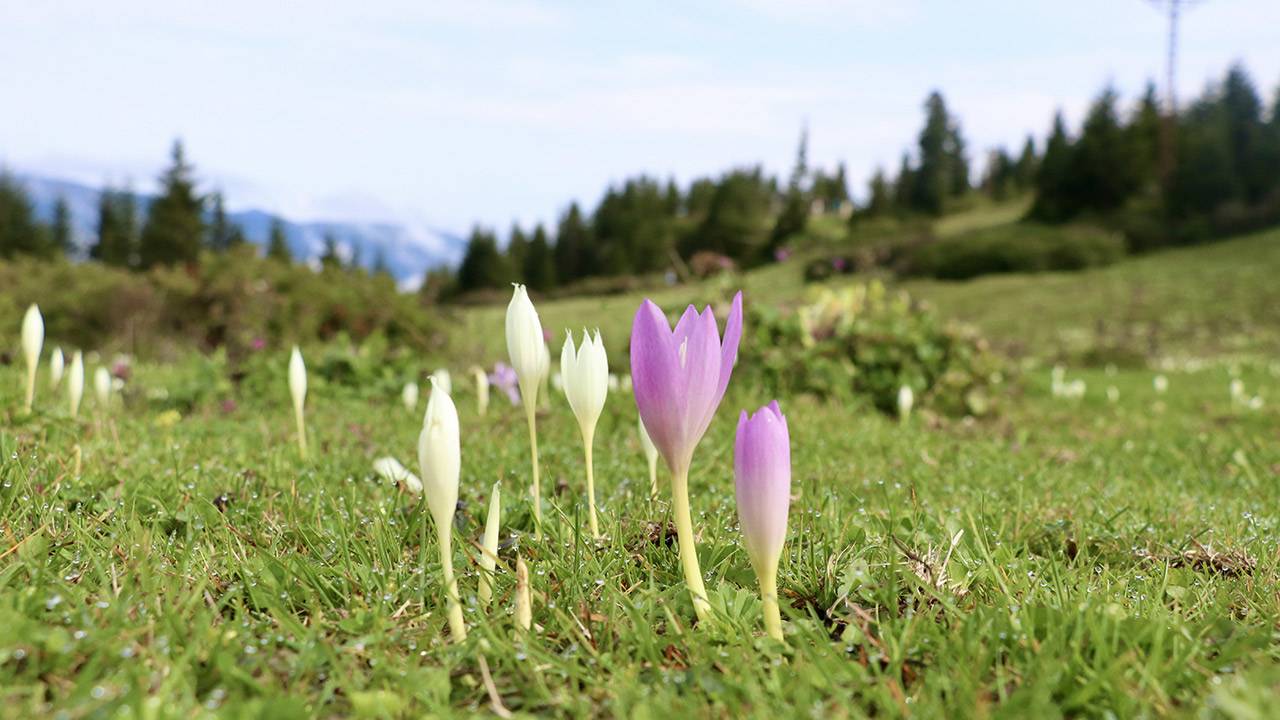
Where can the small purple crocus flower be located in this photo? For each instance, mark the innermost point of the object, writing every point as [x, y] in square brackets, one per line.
[762, 481]
[679, 377]
[504, 376]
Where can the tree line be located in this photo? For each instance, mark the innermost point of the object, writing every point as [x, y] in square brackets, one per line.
[1210, 170]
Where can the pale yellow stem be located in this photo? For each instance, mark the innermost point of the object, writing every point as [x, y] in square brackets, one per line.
[302, 431]
[587, 439]
[688, 550]
[769, 598]
[530, 413]
[457, 627]
[31, 388]
[653, 476]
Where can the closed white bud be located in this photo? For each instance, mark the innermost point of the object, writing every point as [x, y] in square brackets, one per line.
[75, 383]
[442, 379]
[409, 396]
[102, 386]
[440, 456]
[482, 390]
[32, 341]
[525, 346]
[57, 366]
[524, 596]
[906, 399]
[297, 380]
[489, 545]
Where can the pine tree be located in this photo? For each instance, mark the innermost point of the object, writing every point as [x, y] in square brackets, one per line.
[219, 225]
[116, 229]
[1052, 177]
[539, 264]
[904, 186]
[517, 248]
[1143, 137]
[943, 171]
[880, 200]
[380, 266]
[1028, 163]
[236, 237]
[574, 246]
[737, 222]
[483, 265]
[60, 230]
[175, 225]
[329, 257]
[1102, 173]
[1245, 133]
[19, 233]
[278, 243]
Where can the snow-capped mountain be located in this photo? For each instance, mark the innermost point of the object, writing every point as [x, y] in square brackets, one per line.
[408, 249]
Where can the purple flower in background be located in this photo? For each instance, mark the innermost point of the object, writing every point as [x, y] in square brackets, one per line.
[839, 264]
[258, 344]
[504, 377]
[762, 483]
[679, 377]
[781, 255]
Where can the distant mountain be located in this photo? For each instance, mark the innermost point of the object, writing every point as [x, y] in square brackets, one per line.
[408, 250]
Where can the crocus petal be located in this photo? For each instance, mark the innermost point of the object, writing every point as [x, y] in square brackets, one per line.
[657, 379]
[762, 480]
[729, 345]
[702, 370]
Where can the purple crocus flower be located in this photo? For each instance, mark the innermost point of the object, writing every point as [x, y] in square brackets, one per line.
[679, 377]
[504, 376]
[762, 481]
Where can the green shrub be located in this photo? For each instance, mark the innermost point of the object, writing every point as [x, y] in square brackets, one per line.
[1017, 247]
[234, 300]
[864, 342]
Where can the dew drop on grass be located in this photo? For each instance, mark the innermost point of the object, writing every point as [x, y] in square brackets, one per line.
[53, 602]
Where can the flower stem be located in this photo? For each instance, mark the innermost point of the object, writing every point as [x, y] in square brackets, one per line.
[530, 413]
[769, 598]
[653, 478]
[31, 389]
[688, 550]
[457, 628]
[587, 439]
[302, 431]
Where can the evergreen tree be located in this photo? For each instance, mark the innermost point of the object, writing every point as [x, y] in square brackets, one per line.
[701, 191]
[943, 170]
[1052, 176]
[329, 257]
[236, 236]
[904, 186]
[60, 230]
[19, 233]
[880, 195]
[517, 249]
[278, 243]
[539, 264]
[1028, 163]
[998, 181]
[219, 225]
[380, 266]
[1245, 135]
[574, 250]
[737, 222]
[633, 228]
[483, 266]
[1102, 173]
[117, 228]
[175, 226]
[1143, 135]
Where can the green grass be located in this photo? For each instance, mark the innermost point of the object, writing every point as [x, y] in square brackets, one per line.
[1078, 585]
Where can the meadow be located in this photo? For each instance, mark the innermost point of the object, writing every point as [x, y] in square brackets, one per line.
[1108, 556]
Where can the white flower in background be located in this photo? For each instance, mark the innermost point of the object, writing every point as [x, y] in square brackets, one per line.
[482, 390]
[1160, 383]
[906, 400]
[102, 386]
[1057, 378]
[1113, 394]
[1236, 391]
[57, 366]
[298, 389]
[392, 471]
[409, 396]
[75, 383]
[32, 341]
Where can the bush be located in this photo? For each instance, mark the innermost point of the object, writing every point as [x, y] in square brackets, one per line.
[1017, 247]
[235, 301]
[862, 341]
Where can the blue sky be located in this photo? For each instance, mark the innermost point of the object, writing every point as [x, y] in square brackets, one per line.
[481, 111]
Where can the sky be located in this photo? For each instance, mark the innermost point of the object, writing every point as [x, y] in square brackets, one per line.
[456, 113]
